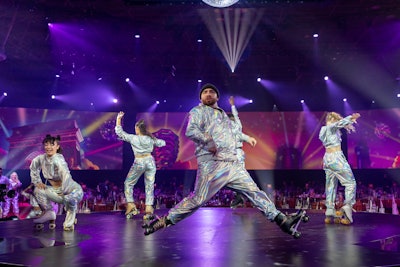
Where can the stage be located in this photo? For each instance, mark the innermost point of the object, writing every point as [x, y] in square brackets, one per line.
[216, 237]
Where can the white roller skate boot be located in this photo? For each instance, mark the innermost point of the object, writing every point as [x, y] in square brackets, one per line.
[70, 221]
[131, 210]
[34, 213]
[47, 216]
[347, 215]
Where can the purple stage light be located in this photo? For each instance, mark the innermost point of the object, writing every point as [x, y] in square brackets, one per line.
[315, 35]
[344, 99]
[258, 79]
[127, 80]
[302, 101]
[115, 100]
[137, 36]
[326, 78]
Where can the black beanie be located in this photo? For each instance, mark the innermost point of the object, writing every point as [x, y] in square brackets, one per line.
[209, 85]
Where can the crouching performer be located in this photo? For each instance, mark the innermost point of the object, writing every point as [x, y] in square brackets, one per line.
[59, 186]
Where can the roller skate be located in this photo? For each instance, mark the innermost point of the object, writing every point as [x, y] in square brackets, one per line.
[34, 213]
[238, 201]
[332, 217]
[47, 216]
[346, 214]
[289, 223]
[157, 224]
[149, 216]
[70, 221]
[131, 210]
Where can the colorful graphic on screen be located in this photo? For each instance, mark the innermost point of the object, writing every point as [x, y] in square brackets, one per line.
[88, 139]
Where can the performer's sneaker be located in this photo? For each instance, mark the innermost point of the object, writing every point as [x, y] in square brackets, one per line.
[289, 223]
[157, 224]
[237, 201]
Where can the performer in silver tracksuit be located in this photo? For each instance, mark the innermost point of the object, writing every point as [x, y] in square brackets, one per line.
[61, 189]
[336, 166]
[240, 137]
[142, 144]
[210, 129]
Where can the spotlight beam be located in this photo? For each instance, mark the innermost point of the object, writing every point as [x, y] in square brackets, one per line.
[232, 30]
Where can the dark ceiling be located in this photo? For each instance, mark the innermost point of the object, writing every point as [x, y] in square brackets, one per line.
[358, 47]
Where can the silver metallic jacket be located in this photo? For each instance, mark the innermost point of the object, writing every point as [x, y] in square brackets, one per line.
[53, 168]
[330, 134]
[141, 144]
[211, 127]
[237, 129]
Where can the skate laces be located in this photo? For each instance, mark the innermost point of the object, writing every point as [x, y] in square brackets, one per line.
[161, 223]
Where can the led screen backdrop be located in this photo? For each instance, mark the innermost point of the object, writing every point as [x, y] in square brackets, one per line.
[88, 139]
[376, 142]
[286, 140]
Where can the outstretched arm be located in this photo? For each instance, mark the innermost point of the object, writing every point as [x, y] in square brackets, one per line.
[119, 118]
[124, 136]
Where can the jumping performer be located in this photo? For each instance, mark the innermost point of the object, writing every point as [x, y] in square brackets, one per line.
[337, 168]
[59, 186]
[142, 143]
[210, 129]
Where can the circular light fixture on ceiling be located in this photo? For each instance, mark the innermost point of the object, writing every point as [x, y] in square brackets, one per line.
[220, 3]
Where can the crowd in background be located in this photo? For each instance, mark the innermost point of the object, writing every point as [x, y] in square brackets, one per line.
[108, 195]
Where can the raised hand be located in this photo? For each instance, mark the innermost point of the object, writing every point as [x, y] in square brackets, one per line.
[355, 116]
[232, 100]
[120, 114]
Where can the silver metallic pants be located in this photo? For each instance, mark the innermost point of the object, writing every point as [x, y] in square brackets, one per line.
[70, 201]
[337, 169]
[214, 175]
[147, 166]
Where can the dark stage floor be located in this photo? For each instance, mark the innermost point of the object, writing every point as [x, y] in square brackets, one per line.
[212, 237]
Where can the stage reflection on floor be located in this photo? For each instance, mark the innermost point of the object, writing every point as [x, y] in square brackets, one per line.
[210, 237]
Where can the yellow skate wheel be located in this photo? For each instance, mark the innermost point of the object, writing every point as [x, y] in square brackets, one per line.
[345, 221]
[329, 220]
[39, 226]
